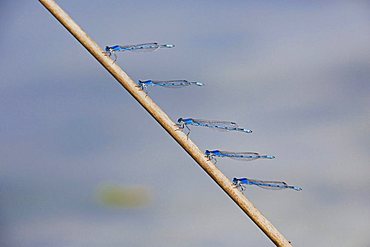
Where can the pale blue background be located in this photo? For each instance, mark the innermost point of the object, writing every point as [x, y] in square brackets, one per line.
[297, 73]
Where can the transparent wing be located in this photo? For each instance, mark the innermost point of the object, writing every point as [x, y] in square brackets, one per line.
[243, 156]
[270, 185]
[146, 47]
[221, 125]
[173, 83]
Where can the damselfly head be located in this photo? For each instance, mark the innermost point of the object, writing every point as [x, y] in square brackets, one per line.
[108, 50]
[180, 123]
[207, 153]
[235, 181]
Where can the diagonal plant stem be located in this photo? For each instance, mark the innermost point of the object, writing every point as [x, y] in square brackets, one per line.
[161, 117]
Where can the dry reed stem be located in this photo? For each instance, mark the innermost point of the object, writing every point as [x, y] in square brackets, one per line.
[161, 117]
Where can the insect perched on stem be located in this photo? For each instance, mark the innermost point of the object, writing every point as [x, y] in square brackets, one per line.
[111, 50]
[241, 183]
[219, 125]
[168, 84]
[243, 156]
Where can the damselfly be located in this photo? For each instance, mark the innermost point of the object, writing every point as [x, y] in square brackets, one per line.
[168, 84]
[243, 156]
[241, 183]
[220, 125]
[109, 50]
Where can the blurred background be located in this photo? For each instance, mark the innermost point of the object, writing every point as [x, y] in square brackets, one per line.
[82, 164]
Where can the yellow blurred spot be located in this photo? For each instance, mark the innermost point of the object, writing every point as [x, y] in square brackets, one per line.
[123, 196]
